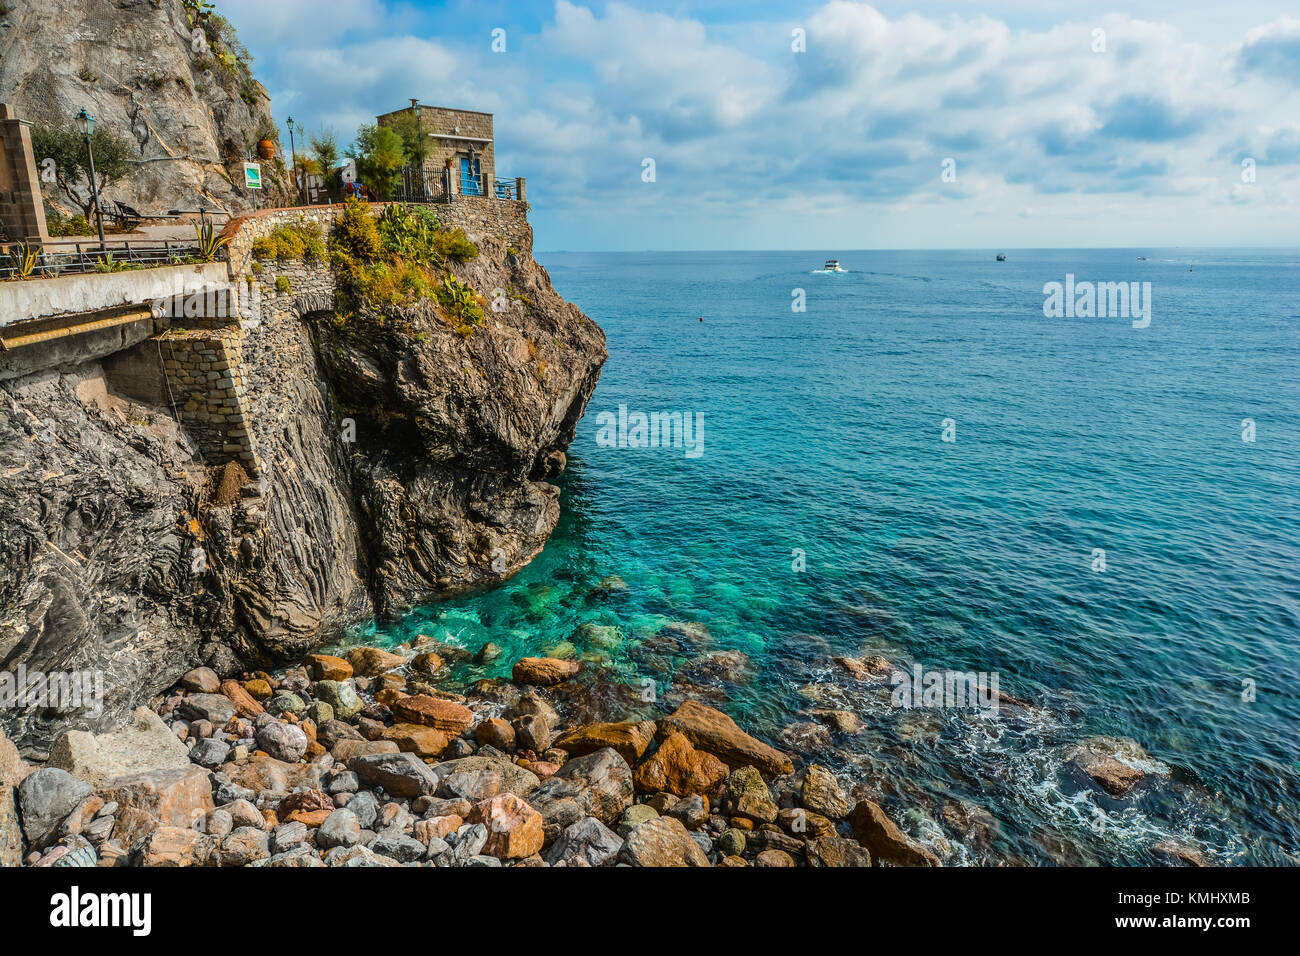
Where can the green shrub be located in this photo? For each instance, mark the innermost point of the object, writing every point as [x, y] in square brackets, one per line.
[56, 225]
[454, 244]
[460, 305]
[410, 234]
[282, 284]
[292, 242]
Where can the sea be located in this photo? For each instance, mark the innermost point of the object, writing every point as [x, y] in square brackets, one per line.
[920, 458]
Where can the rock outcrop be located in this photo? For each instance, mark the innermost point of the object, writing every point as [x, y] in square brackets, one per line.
[124, 552]
[189, 107]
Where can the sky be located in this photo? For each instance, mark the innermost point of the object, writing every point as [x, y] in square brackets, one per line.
[833, 125]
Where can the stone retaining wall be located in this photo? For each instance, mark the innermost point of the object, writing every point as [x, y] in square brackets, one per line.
[205, 379]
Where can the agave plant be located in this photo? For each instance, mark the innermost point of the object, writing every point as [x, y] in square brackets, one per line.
[24, 257]
[209, 242]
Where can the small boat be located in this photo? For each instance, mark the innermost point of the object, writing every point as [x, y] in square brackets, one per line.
[1002, 257]
[1142, 258]
[832, 265]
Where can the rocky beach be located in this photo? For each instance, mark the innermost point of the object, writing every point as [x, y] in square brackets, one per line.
[365, 760]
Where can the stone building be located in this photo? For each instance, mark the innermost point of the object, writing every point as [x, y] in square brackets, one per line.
[460, 159]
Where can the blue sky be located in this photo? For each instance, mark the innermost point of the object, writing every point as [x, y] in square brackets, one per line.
[1058, 125]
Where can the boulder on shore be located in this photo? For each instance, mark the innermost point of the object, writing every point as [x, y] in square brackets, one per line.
[884, 840]
[713, 731]
[147, 744]
[543, 671]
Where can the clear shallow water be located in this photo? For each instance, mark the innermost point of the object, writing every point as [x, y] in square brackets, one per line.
[822, 432]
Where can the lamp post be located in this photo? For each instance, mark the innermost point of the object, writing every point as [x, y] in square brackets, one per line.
[86, 123]
[419, 138]
[293, 155]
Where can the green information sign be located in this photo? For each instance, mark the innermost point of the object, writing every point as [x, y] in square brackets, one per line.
[252, 175]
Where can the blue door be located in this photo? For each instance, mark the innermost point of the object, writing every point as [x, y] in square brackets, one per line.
[471, 184]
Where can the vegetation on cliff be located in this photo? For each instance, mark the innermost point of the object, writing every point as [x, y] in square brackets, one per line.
[401, 257]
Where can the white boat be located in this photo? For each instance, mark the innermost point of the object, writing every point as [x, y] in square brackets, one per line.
[832, 265]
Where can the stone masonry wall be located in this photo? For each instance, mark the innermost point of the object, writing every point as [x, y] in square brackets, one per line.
[205, 379]
[272, 339]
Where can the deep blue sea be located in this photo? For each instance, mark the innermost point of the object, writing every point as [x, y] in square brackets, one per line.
[823, 432]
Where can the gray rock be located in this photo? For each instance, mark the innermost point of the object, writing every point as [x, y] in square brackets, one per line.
[285, 703]
[288, 835]
[588, 840]
[439, 851]
[396, 844]
[201, 680]
[662, 841]
[214, 708]
[481, 860]
[210, 753]
[468, 841]
[345, 782]
[45, 797]
[341, 696]
[227, 792]
[340, 829]
[146, 744]
[298, 855]
[471, 785]
[244, 814]
[400, 774]
[597, 785]
[514, 778]
[366, 807]
[282, 741]
[243, 846]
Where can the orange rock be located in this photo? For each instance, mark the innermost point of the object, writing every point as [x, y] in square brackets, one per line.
[312, 818]
[713, 731]
[451, 718]
[440, 827]
[245, 704]
[328, 667]
[371, 661]
[544, 769]
[543, 671]
[389, 696]
[259, 689]
[514, 828]
[417, 739]
[628, 739]
[679, 768]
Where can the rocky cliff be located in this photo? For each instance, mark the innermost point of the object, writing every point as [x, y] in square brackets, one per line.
[173, 82]
[402, 461]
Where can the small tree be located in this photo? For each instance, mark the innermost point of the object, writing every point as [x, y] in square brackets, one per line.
[325, 154]
[407, 126]
[380, 156]
[67, 147]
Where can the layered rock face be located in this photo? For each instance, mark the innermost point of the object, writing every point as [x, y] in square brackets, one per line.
[123, 550]
[136, 67]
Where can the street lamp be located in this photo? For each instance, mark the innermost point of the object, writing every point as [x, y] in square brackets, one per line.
[419, 138]
[293, 154]
[86, 123]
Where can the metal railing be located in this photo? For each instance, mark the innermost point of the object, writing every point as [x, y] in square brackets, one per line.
[471, 185]
[80, 258]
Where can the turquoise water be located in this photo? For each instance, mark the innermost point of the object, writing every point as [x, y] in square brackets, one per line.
[822, 431]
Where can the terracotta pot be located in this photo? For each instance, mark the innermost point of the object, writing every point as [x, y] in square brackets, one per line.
[266, 148]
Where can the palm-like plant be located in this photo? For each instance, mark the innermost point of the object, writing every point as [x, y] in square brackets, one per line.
[209, 242]
[24, 257]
